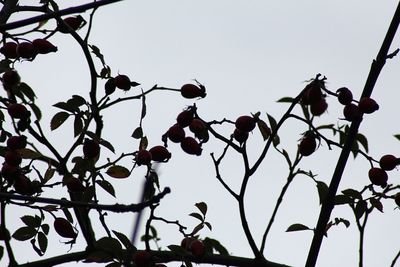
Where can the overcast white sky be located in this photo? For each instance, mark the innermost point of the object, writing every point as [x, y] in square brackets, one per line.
[248, 54]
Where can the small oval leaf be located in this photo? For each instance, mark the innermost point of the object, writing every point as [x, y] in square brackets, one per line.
[117, 171]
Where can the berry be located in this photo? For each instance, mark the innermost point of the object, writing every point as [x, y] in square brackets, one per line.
[11, 78]
[351, 112]
[197, 248]
[345, 96]
[314, 93]
[318, 108]
[75, 185]
[23, 185]
[192, 91]
[16, 142]
[43, 46]
[245, 123]
[91, 148]
[191, 146]
[160, 153]
[307, 145]
[142, 258]
[13, 157]
[197, 126]
[110, 86]
[26, 50]
[397, 199]
[17, 111]
[377, 176]
[176, 133]
[186, 242]
[9, 172]
[73, 22]
[240, 136]
[9, 50]
[388, 162]
[143, 157]
[123, 82]
[185, 118]
[368, 105]
[64, 228]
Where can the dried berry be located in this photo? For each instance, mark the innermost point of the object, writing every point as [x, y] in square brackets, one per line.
[397, 199]
[368, 105]
[17, 111]
[143, 157]
[11, 78]
[191, 146]
[351, 112]
[192, 91]
[377, 176]
[245, 123]
[10, 172]
[318, 108]
[307, 145]
[75, 185]
[345, 96]
[122, 82]
[176, 133]
[13, 157]
[185, 118]
[91, 148]
[16, 142]
[388, 162]
[160, 153]
[9, 50]
[197, 126]
[240, 136]
[26, 50]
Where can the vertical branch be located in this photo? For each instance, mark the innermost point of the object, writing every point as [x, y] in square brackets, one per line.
[328, 204]
[5, 233]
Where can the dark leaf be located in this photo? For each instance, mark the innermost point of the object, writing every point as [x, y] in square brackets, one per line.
[360, 209]
[35, 248]
[134, 84]
[197, 228]
[327, 126]
[36, 111]
[352, 193]
[124, 240]
[143, 106]
[143, 143]
[76, 101]
[78, 125]
[397, 136]
[27, 91]
[45, 227]
[197, 216]
[212, 244]
[68, 215]
[297, 227]
[285, 100]
[107, 145]
[42, 240]
[272, 122]
[363, 141]
[49, 174]
[4, 65]
[107, 186]
[322, 191]
[153, 231]
[343, 199]
[31, 221]
[264, 129]
[137, 133]
[27, 153]
[202, 207]
[376, 203]
[24, 233]
[58, 120]
[177, 249]
[117, 171]
[96, 51]
[208, 225]
[66, 106]
[110, 245]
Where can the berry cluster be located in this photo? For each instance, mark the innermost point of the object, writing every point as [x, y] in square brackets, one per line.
[378, 175]
[351, 111]
[27, 50]
[244, 124]
[157, 153]
[314, 98]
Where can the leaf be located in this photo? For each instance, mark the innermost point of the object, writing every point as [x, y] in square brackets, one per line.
[177, 249]
[110, 245]
[76, 101]
[213, 244]
[143, 143]
[36, 111]
[107, 186]
[58, 120]
[117, 171]
[45, 227]
[78, 125]
[137, 133]
[397, 136]
[376, 203]
[272, 122]
[24, 233]
[197, 216]
[343, 199]
[297, 227]
[27, 91]
[352, 193]
[124, 240]
[49, 174]
[31, 221]
[208, 225]
[66, 106]
[360, 209]
[202, 207]
[322, 191]
[363, 141]
[264, 129]
[42, 240]
[197, 228]
[68, 215]
[108, 145]
[27, 153]
[285, 100]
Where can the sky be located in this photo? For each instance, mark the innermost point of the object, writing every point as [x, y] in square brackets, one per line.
[248, 54]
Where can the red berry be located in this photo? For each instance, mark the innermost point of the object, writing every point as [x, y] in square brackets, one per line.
[122, 82]
[9, 50]
[192, 91]
[64, 228]
[43, 46]
[318, 108]
[143, 157]
[26, 50]
[377, 176]
[13, 157]
[397, 199]
[388, 162]
[314, 93]
[16, 142]
[191, 146]
[368, 105]
[142, 258]
[186, 242]
[197, 126]
[345, 96]
[73, 22]
[307, 145]
[351, 112]
[197, 248]
[245, 123]
[11, 78]
[110, 86]
[91, 148]
[176, 133]
[240, 136]
[185, 118]
[160, 153]
[17, 111]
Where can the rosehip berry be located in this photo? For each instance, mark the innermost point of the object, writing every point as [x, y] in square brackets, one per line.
[23, 185]
[73, 22]
[122, 82]
[16, 142]
[368, 105]
[197, 248]
[397, 199]
[9, 50]
[191, 146]
[160, 154]
[43, 46]
[345, 96]
[176, 133]
[307, 145]
[352, 112]
[142, 258]
[13, 157]
[240, 136]
[192, 91]
[186, 242]
[245, 123]
[110, 86]
[64, 228]
[197, 126]
[388, 162]
[318, 108]
[9, 172]
[17, 111]
[91, 148]
[11, 78]
[26, 50]
[185, 118]
[377, 176]
[143, 157]
[75, 185]
[314, 93]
